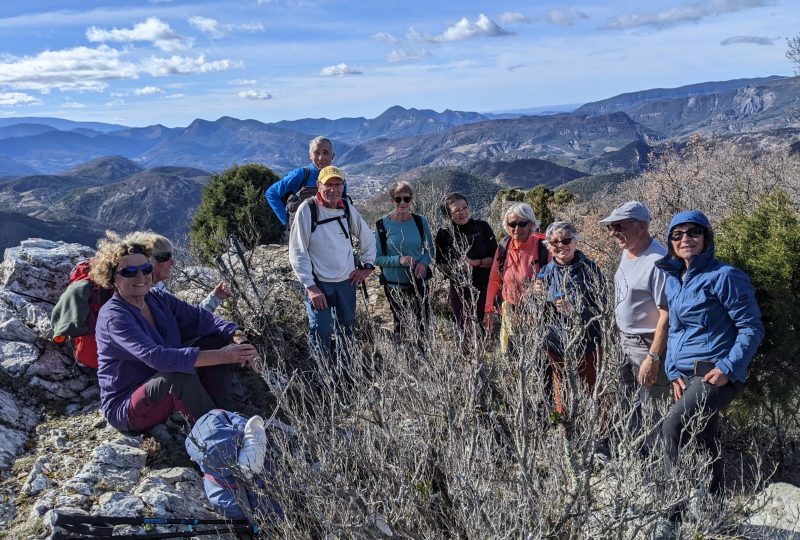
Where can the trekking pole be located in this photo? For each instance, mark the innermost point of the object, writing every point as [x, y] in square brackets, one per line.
[237, 247]
[103, 526]
[228, 274]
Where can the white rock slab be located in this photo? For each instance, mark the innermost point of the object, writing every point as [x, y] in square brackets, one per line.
[15, 330]
[17, 356]
[12, 413]
[40, 268]
[781, 508]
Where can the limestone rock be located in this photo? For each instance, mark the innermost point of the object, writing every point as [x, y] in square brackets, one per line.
[13, 414]
[120, 455]
[39, 269]
[15, 330]
[53, 365]
[118, 505]
[16, 357]
[37, 480]
[12, 442]
[781, 509]
[67, 389]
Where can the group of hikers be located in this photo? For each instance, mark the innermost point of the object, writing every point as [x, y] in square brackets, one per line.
[687, 322]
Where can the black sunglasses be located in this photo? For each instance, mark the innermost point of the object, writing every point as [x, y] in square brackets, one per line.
[164, 257]
[514, 224]
[132, 271]
[694, 232]
[565, 241]
[399, 199]
[618, 226]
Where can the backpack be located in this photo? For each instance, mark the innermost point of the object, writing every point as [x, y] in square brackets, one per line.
[381, 228]
[297, 194]
[543, 254]
[75, 314]
[214, 444]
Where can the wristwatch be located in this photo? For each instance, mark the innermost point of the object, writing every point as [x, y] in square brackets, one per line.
[655, 356]
[368, 266]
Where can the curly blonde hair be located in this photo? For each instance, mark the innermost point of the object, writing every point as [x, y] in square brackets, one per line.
[154, 243]
[110, 252]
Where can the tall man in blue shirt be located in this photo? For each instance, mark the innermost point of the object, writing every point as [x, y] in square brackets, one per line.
[320, 150]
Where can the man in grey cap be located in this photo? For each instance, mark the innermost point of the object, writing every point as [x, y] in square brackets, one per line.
[641, 312]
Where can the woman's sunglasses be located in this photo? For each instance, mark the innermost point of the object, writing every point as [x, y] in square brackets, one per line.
[520, 224]
[164, 257]
[406, 199]
[565, 241]
[132, 271]
[694, 232]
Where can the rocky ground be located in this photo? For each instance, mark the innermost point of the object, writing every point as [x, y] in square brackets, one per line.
[57, 453]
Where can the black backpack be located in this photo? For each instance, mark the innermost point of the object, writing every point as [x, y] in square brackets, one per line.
[296, 196]
[381, 228]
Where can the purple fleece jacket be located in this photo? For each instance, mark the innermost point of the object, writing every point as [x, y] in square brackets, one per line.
[130, 350]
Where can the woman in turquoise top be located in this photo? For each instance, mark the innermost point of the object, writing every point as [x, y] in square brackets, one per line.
[405, 250]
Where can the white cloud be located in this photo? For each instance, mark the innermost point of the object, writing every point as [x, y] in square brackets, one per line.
[565, 17]
[514, 67]
[753, 40]
[148, 91]
[18, 98]
[464, 29]
[183, 65]
[255, 94]
[244, 82]
[73, 105]
[80, 68]
[405, 54]
[683, 13]
[385, 37]
[174, 96]
[153, 30]
[215, 29]
[510, 17]
[339, 70]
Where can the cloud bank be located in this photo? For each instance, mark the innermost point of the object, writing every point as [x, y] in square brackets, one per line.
[153, 30]
[681, 14]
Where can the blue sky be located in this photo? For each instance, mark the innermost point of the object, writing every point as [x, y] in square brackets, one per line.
[171, 61]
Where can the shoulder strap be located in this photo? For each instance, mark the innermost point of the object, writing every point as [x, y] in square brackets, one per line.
[502, 251]
[381, 228]
[420, 228]
[312, 206]
[306, 174]
[542, 254]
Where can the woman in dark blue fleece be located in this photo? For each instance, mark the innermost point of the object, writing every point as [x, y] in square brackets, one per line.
[145, 372]
[575, 289]
[714, 331]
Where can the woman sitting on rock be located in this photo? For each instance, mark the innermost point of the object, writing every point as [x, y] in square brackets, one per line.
[144, 371]
[160, 248]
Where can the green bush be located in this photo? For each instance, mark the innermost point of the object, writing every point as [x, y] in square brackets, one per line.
[765, 243]
[233, 203]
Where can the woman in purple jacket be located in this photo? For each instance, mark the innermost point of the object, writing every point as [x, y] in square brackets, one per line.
[144, 370]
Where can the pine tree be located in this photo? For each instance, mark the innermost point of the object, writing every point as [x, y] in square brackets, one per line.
[233, 202]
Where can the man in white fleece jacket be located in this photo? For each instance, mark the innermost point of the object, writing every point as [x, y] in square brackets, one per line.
[324, 262]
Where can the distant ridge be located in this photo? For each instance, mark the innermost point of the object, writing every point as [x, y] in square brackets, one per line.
[60, 123]
[15, 227]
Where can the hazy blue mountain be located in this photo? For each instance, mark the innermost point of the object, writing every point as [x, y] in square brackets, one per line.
[630, 100]
[395, 122]
[15, 227]
[31, 194]
[106, 170]
[12, 168]
[711, 108]
[565, 139]
[150, 199]
[525, 173]
[55, 151]
[23, 130]
[228, 141]
[59, 123]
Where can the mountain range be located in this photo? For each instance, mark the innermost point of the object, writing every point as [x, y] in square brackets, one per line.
[94, 175]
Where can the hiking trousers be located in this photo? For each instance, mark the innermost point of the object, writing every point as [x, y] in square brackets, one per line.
[340, 313]
[699, 399]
